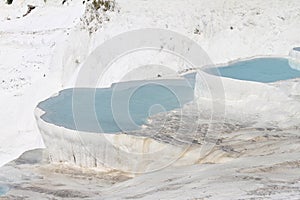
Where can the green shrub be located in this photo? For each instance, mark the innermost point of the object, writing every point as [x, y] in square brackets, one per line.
[197, 31]
[104, 4]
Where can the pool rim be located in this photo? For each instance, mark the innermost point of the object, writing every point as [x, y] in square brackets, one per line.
[231, 62]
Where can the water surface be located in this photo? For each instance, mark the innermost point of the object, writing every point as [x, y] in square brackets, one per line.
[263, 70]
[123, 107]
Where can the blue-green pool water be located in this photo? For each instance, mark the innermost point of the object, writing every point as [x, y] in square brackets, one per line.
[123, 107]
[263, 70]
[3, 190]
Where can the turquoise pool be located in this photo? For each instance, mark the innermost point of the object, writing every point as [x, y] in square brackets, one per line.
[123, 107]
[3, 190]
[263, 70]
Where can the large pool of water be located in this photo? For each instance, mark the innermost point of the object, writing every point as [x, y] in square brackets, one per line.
[263, 70]
[123, 107]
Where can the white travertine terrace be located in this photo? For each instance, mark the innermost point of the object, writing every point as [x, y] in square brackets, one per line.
[120, 151]
[132, 153]
[247, 97]
[49, 41]
[57, 48]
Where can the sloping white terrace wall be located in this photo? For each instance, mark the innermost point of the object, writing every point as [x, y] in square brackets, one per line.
[246, 97]
[295, 55]
[112, 151]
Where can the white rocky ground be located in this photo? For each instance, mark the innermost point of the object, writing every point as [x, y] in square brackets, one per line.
[40, 53]
[249, 163]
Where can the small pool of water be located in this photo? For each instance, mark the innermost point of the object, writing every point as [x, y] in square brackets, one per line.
[296, 48]
[123, 107]
[3, 189]
[263, 70]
